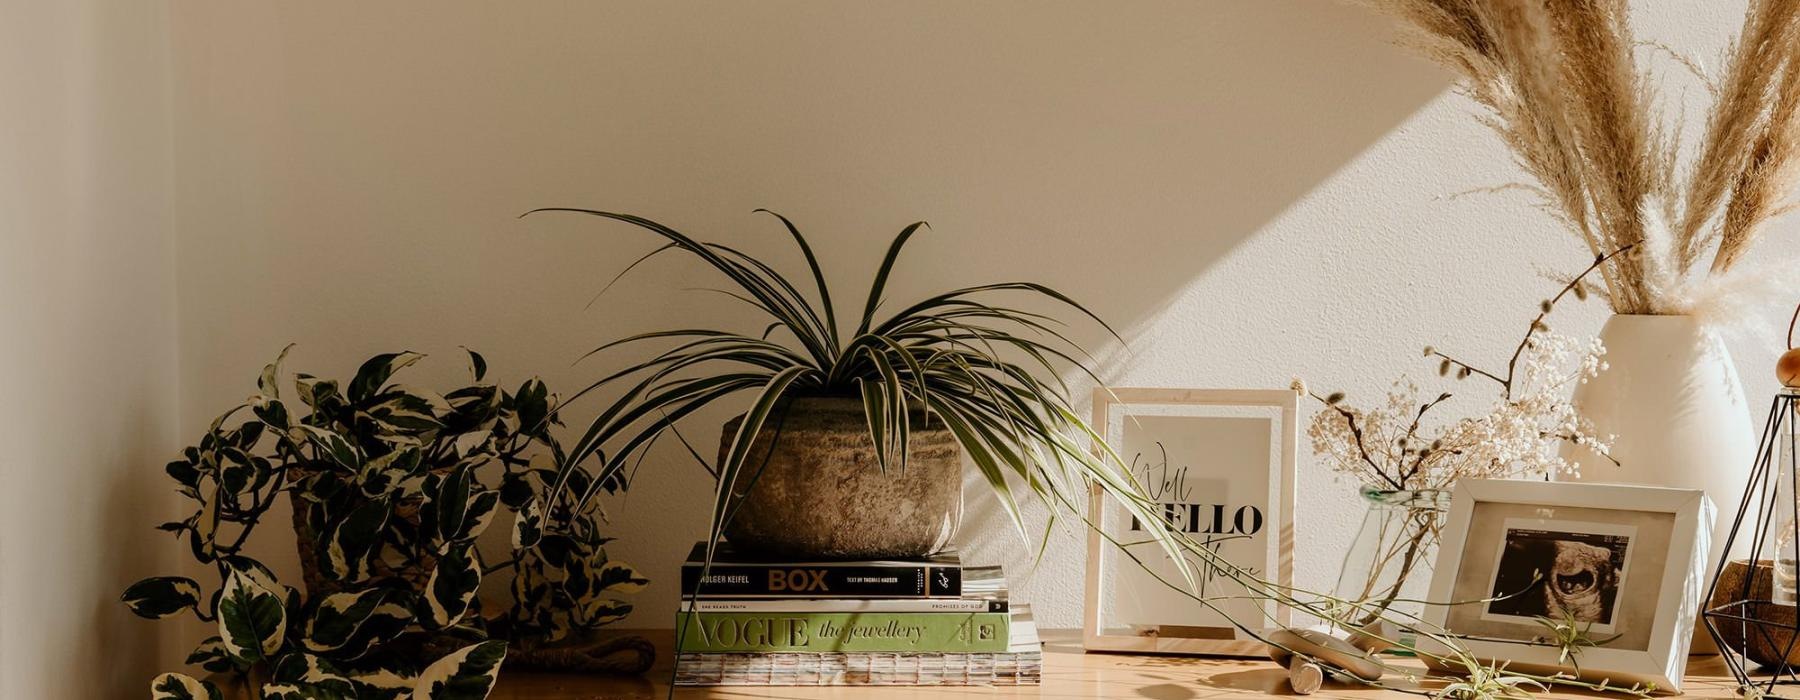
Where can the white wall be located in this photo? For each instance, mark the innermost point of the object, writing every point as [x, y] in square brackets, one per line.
[87, 343]
[1253, 190]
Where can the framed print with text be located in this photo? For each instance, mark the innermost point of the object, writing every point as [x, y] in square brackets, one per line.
[1220, 462]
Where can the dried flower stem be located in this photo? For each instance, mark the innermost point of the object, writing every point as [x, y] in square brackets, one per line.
[1537, 324]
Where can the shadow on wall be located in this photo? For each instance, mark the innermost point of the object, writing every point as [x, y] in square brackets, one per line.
[1115, 151]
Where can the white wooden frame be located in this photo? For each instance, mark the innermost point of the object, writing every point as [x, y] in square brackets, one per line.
[1677, 605]
[1280, 519]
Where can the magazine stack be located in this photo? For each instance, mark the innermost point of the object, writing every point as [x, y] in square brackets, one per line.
[933, 621]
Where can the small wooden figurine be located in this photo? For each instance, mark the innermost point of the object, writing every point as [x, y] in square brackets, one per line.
[1308, 654]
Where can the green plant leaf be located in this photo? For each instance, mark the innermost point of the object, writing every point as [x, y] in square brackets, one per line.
[482, 508]
[302, 676]
[619, 578]
[178, 686]
[818, 275]
[162, 596]
[338, 618]
[731, 466]
[252, 618]
[452, 587]
[375, 373]
[466, 674]
[212, 655]
[335, 446]
[881, 276]
[444, 513]
[528, 527]
[266, 382]
[351, 544]
[477, 365]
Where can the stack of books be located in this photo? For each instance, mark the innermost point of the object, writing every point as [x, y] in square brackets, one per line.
[923, 622]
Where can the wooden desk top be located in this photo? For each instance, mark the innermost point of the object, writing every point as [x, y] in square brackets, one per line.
[1068, 673]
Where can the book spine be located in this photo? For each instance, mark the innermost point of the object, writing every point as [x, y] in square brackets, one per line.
[733, 580]
[714, 632]
[827, 605]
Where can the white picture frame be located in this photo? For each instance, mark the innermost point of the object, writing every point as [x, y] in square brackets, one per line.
[1654, 540]
[1248, 436]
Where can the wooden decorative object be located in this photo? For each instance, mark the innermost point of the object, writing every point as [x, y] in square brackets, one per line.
[1787, 369]
[1765, 650]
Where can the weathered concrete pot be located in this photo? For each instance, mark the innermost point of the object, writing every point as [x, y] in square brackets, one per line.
[822, 495]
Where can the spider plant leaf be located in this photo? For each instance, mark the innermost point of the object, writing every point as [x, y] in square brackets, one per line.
[679, 398]
[732, 467]
[818, 334]
[881, 276]
[626, 271]
[894, 411]
[984, 460]
[771, 300]
[818, 276]
[874, 401]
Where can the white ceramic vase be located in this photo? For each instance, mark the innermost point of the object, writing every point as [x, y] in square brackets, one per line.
[1671, 398]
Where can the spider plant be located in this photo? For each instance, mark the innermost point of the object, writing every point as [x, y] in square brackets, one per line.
[988, 372]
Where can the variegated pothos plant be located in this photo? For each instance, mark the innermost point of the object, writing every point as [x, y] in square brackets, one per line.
[393, 485]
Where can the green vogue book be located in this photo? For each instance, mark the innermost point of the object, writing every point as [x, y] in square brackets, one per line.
[934, 632]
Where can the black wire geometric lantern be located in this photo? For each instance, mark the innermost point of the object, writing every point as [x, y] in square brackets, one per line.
[1751, 608]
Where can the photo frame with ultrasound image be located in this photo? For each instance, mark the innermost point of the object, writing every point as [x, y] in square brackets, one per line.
[1625, 562]
[1220, 462]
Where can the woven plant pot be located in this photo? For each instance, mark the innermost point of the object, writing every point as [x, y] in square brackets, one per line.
[1771, 644]
[813, 489]
[318, 584]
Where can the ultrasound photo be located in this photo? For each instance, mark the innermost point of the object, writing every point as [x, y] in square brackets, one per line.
[1545, 573]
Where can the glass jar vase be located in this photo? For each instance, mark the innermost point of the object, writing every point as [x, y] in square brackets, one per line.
[1387, 570]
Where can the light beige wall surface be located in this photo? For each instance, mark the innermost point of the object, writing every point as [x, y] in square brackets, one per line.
[1250, 190]
[87, 342]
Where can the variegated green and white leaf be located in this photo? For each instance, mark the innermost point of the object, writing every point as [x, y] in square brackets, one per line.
[309, 677]
[483, 506]
[252, 618]
[212, 656]
[402, 412]
[619, 578]
[387, 473]
[271, 411]
[528, 527]
[376, 371]
[468, 442]
[179, 686]
[351, 545]
[206, 523]
[381, 683]
[162, 596]
[466, 674]
[452, 587]
[338, 618]
[595, 612]
[265, 383]
[258, 574]
[477, 365]
[393, 617]
[448, 503]
[334, 446]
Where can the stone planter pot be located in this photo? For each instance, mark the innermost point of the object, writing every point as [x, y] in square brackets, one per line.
[821, 494]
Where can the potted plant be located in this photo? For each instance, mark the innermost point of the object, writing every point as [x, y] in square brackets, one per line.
[390, 487]
[853, 439]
